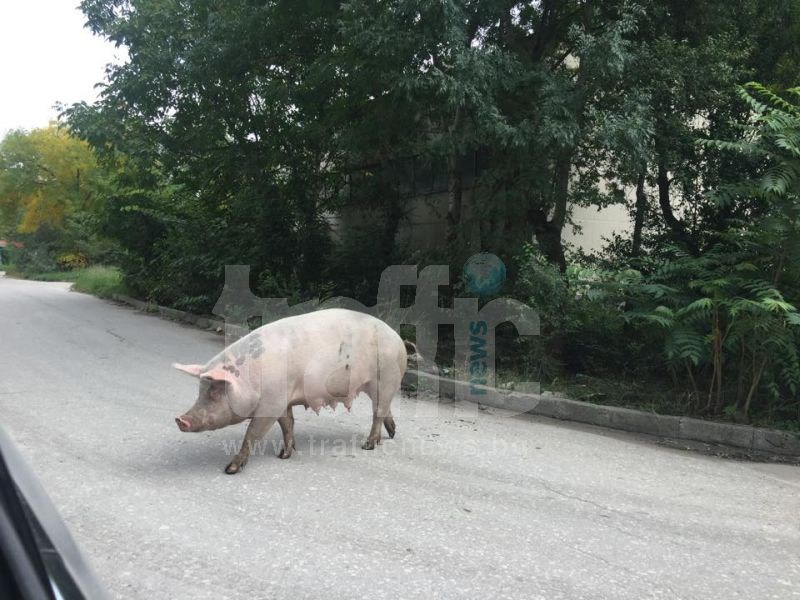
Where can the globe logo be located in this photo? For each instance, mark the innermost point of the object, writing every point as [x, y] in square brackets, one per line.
[484, 274]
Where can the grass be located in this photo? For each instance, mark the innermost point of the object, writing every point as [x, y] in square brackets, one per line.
[99, 281]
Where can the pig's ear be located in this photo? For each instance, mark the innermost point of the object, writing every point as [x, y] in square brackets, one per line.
[193, 370]
[219, 374]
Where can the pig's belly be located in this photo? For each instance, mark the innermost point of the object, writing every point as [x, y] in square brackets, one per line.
[328, 385]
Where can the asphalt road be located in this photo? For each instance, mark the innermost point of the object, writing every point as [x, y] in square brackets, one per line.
[461, 504]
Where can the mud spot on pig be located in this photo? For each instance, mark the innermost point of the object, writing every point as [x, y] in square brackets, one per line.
[256, 348]
[231, 369]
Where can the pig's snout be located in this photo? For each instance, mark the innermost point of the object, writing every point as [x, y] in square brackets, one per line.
[183, 423]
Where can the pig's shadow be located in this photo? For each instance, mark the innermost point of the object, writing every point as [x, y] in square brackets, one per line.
[217, 449]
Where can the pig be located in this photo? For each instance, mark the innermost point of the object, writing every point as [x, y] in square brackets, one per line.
[314, 360]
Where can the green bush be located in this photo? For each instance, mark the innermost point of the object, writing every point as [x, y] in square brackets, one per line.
[583, 329]
[100, 281]
[38, 253]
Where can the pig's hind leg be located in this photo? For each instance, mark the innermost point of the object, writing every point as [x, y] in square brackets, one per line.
[388, 422]
[255, 431]
[287, 427]
[381, 395]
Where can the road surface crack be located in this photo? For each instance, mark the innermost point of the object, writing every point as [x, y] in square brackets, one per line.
[116, 335]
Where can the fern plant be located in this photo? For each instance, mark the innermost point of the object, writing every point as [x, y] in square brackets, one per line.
[727, 329]
[729, 317]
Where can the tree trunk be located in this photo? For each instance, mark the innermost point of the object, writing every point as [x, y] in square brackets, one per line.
[548, 238]
[677, 228]
[548, 231]
[455, 198]
[715, 399]
[394, 214]
[455, 177]
[311, 261]
[641, 209]
[742, 414]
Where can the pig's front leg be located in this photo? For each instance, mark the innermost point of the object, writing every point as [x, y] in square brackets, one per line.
[374, 437]
[287, 427]
[255, 431]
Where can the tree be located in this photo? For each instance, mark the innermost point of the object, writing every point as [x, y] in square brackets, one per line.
[516, 80]
[256, 113]
[687, 60]
[46, 175]
[730, 315]
[226, 103]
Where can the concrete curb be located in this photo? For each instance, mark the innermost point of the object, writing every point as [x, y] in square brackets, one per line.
[174, 314]
[548, 405]
[626, 419]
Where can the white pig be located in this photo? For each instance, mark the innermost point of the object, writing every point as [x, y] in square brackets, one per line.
[316, 359]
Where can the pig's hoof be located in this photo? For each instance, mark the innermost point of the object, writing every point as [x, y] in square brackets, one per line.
[390, 426]
[368, 445]
[233, 468]
[287, 452]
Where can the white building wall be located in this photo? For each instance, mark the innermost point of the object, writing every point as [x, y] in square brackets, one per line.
[425, 224]
[596, 226]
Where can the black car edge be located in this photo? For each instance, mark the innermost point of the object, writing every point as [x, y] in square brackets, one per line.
[38, 557]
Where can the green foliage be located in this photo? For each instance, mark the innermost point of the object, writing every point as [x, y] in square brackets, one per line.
[215, 128]
[729, 316]
[728, 331]
[583, 326]
[46, 175]
[281, 135]
[51, 190]
[99, 281]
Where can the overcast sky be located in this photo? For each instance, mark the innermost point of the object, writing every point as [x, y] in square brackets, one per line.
[46, 56]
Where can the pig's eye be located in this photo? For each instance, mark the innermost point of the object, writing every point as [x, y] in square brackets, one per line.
[217, 391]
